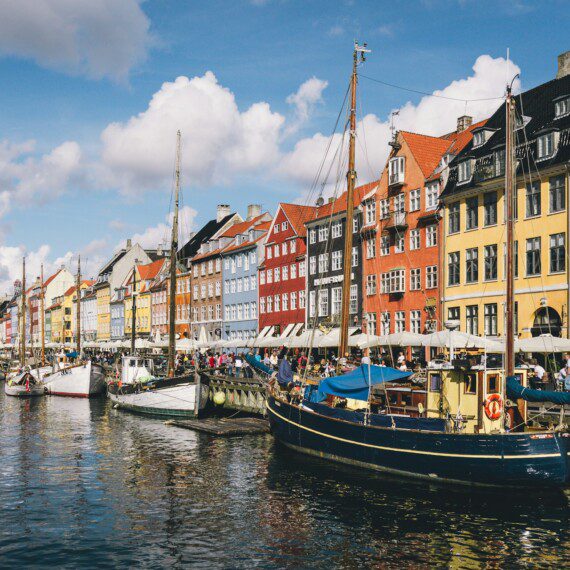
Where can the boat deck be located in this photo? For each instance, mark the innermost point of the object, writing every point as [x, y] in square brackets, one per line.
[225, 427]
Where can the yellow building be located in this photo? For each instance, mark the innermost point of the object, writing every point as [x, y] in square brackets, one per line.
[140, 286]
[103, 295]
[56, 312]
[473, 253]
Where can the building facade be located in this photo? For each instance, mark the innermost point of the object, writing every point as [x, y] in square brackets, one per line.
[474, 219]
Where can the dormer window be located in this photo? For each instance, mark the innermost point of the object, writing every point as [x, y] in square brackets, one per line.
[396, 170]
[521, 122]
[464, 172]
[562, 106]
[545, 145]
[478, 138]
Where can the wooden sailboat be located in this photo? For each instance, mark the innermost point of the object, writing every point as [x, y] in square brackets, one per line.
[81, 380]
[171, 396]
[474, 436]
[23, 383]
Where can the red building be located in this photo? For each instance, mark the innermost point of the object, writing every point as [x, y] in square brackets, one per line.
[282, 281]
[401, 227]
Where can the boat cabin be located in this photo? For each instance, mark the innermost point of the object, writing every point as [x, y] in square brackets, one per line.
[135, 368]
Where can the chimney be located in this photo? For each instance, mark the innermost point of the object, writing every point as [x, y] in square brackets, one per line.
[253, 210]
[563, 65]
[463, 123]
[223, 210]
[129, 244]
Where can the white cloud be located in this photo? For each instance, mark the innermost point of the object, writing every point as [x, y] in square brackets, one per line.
[219, 140]
[336, 31]
[432, 116]
[117, 225]
[306, 97]
[94, 37]
[160, 234]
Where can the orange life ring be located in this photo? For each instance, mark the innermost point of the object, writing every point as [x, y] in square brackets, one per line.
[494, 406]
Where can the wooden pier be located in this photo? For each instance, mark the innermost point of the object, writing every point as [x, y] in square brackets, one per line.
[241, 394]
[225, 427]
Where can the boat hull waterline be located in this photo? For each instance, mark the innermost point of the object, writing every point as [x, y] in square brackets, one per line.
[21, 392]
[80, 381]
[516, 459]
[180, 400]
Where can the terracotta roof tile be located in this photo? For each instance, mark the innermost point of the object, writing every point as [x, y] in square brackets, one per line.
[150, 270]
[50, 279]
[426, 150]
[298, 216]
[339, 205]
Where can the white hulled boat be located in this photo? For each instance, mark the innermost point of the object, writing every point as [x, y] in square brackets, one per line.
[80, 380]
[24, 385]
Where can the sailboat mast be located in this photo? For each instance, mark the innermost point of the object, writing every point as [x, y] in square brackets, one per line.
[23, 318]
[42, 315]
[510, 216]
[173, 254]
[134, 309]
[351, 183]
[78, 315]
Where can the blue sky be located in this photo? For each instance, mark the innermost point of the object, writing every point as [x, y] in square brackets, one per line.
[72, 68]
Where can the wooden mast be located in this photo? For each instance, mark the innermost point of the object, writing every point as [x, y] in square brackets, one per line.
[510, 173]
[42, 316]
[173, 256]
[358, 55]
[134, 309]
[23, 317]
[78, 308]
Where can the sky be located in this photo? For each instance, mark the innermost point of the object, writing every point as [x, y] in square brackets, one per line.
[93, 92]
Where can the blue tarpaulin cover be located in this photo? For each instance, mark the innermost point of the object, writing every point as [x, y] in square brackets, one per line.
[285, 374]
[356, 384]
[516, 391]
[251, 360]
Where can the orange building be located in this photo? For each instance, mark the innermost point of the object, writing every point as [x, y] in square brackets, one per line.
[401, 233]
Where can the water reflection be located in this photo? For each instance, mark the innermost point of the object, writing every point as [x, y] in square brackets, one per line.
[85, 485]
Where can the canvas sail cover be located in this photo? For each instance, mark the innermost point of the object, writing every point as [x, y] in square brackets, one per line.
[515, 391]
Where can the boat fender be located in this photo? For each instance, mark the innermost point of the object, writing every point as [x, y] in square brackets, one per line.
[219, 398]
[494, 406]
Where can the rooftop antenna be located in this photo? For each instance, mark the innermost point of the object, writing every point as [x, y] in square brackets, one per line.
[392, 126]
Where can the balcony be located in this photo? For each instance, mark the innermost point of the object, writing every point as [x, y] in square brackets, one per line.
[396, 179]
[398, 221]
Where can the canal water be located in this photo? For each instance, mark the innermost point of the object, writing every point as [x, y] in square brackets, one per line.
[83, 485]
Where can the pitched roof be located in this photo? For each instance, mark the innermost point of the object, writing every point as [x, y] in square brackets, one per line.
[150, 270]
[242, 227]
[50, 279]
[426, 150]
[339, 205]
[298, 216]
[206, 232]
[69, 291]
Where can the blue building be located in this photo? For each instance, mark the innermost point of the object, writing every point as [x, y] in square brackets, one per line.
[118, 314]
[240, 260]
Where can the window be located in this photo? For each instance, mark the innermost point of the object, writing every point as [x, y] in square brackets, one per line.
[253, 282]
[397, 281]
[246, 311]
[385, 323]
[277, 303]
[371, 212]
[400, 321]
[471, 383]
[293, 301]
[557, 253]
[562, 107]
[515, 258]
[292, 246]
[453, 268]
[276, 250]
[415, 279]
[472, 265]
[490, 209]
[415, 321]
[414, 200]
[323, 302]
[323, 233]
[336, 229]
[557, 194]
[285, 273]
[284, 248]
[354, 257]
[396, 169]
[211, 266]
[472, 316]
[431, 277]
[353, 307]
[533, 199]
[453, 313]
[453, 218]
[336, 294]
[269, 276]
[490, 313]
[336, 264]
[478, 138]
[276, 274]
[499, 163]
[414, 239]
[226, 263]
[262, 277]
[533, 256]
[312, 265]
[246, 283]
[490, 260]
[371, 284]
[293, 271]
[371, 323]
[370, 248]
[385, 245]
[284, 226]
[384, 208]
[269, 252]
[218, 288]
[385, 283]
[464, 171]
[254, 310]
[323, 263]
[253, 257]
[399, 245]
[285, 302]
[270, 304]
[431, 236]
[545, 146]
[471, 213]
[301, 299]
[432, 195]
[354, 225]
[301, 269]
[312, 236]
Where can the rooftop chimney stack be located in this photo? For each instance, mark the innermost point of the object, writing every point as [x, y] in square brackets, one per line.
[253, 210]
[563, 65]
[223, 210]
[463, 123]
[129, 244]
